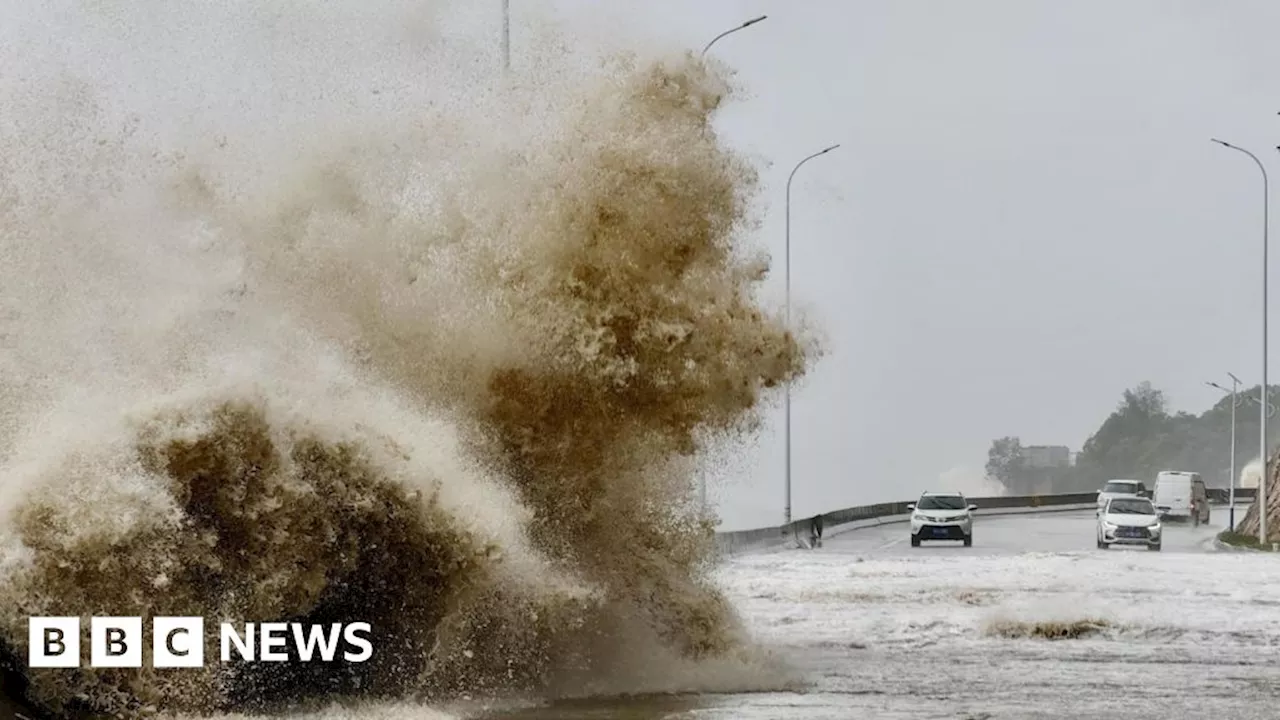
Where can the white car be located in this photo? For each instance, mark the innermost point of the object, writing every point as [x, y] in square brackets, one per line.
[1129, 521]
[1120, 488]
[941, 516]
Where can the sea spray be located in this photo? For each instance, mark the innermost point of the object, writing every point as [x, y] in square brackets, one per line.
[339, 358]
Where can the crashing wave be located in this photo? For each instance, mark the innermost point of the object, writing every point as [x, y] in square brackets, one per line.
[381, 365]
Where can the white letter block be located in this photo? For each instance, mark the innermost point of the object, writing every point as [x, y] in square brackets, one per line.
[177, 642]
[54, 642]
[115, 642]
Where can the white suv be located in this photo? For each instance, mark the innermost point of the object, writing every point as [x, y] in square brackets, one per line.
[941, 516]
[1120, 488]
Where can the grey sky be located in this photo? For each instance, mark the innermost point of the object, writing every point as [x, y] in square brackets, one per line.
[1026, 216]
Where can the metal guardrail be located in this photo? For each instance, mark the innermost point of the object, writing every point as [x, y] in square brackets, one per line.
[738, 541]
[1220, 495]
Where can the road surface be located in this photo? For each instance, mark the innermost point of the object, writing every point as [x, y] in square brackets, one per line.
[879, 629]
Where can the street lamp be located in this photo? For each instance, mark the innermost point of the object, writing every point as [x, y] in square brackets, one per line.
[1262, 392]
[1271, 407]
[702, 481]
[743, 26]
[1235, 403]
[787, 441]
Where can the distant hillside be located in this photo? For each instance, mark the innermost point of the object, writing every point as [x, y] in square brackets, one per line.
[1139, 439]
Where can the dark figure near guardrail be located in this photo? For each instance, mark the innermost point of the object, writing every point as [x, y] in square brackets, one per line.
[815, 532]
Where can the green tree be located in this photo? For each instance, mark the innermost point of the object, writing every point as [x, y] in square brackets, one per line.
[1139, 439]
[1005, 462]
[1128, 442]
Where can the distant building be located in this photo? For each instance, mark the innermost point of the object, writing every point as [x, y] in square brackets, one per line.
[1047, 456]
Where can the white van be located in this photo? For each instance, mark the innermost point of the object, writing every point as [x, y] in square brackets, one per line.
[1177, 493]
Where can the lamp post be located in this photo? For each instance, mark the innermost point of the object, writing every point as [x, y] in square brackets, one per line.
[702, 479]
[1262, 393]
[743, 26]
[1231, 493]
[1271, 407]
[787, 265]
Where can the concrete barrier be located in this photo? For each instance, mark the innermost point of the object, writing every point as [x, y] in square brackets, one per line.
[861, 516]
[980, 512]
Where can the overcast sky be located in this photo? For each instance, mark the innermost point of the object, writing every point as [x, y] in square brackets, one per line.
[1026, 216]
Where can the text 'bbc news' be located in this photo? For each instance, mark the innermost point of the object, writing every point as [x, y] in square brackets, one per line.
[178, 642]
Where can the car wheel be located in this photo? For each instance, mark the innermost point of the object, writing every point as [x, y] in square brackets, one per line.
[1103, 545]
[968, 540]
[915, 541]
[1154, 548]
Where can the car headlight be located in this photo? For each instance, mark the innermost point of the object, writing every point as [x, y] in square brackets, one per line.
[1109, 526]
[1154, 528]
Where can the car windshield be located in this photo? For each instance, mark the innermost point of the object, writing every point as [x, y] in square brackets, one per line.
[1120, 486]
[1131, 506]
[941, 502]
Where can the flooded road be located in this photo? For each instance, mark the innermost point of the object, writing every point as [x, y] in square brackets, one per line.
[1031, 622]
[879, 629]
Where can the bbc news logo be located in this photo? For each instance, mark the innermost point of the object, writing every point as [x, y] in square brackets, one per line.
[178, 642]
